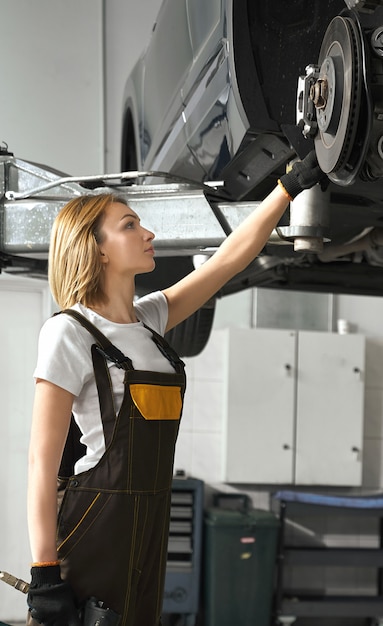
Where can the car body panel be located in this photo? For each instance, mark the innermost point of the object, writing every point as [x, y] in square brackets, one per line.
[169, 140]
[230, 72]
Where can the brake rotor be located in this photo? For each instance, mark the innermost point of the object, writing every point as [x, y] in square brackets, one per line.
[338, 96]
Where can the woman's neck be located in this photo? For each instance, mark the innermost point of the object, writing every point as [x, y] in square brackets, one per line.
[119, 315]
[117, 303]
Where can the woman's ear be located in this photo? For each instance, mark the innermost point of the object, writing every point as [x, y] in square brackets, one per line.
[104, 258]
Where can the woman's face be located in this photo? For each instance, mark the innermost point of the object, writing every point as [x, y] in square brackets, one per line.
[125, 246]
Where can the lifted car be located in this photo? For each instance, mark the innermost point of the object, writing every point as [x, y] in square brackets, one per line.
[220, 102]
[225, 96]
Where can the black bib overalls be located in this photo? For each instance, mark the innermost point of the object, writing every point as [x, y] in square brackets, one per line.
[113, 519]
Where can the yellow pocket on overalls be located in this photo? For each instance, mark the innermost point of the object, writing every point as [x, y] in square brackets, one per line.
[157, 402]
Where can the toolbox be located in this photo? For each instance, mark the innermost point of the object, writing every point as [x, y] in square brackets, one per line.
[239, 562]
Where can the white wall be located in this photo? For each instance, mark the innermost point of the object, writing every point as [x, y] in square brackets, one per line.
[24, 305]
[52, 83]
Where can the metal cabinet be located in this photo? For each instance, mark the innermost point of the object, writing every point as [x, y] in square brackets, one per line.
[182, 581]
[293, 407]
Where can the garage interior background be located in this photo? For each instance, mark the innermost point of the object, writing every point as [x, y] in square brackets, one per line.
[63, 69]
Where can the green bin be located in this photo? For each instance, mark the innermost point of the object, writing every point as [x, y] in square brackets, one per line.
[239, 563]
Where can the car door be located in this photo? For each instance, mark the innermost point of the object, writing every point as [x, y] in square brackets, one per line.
[167, 63]
[207, 89]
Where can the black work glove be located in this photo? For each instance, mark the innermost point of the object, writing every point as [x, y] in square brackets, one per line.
[50, 599]
[304, 175]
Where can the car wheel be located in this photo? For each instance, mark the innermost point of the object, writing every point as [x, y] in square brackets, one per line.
[129, 160]
[191, 336]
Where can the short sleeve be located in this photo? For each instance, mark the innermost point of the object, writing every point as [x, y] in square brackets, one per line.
[152, 309]
[64, 354]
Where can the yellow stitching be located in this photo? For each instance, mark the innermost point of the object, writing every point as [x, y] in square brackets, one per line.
[143, 528]
[164, 550]
[158, 452]
[128, 492]
[86, 530]
[131, 448]
[131, 559]
[80, 522]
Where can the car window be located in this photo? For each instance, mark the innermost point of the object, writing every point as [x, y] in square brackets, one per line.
[203, 17]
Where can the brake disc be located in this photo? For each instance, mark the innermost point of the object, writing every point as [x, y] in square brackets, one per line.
[339, 99]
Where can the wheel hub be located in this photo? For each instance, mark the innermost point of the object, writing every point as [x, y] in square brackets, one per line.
[338, 101]
[340, 60]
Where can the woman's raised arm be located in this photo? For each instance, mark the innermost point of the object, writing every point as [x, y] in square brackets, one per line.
[242, 245]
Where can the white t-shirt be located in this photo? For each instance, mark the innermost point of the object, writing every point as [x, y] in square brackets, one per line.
[64, 358]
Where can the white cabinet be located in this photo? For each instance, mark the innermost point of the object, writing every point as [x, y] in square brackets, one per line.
[293, 407]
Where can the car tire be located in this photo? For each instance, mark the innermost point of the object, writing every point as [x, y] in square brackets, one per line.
[129, 160]
[191, 336]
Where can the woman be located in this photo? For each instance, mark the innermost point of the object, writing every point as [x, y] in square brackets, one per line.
[103, 360]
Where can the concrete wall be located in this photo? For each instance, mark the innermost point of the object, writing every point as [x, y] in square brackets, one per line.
[52, 83]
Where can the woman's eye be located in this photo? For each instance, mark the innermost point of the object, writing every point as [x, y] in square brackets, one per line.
[129, 224]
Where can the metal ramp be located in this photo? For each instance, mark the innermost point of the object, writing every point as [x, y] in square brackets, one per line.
[180, 215]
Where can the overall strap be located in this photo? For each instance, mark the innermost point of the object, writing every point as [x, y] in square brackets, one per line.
[167, 350]
[110, 352]
[105, 347]
[101, 351]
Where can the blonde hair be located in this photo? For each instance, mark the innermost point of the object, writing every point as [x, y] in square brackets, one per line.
[74, 266]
